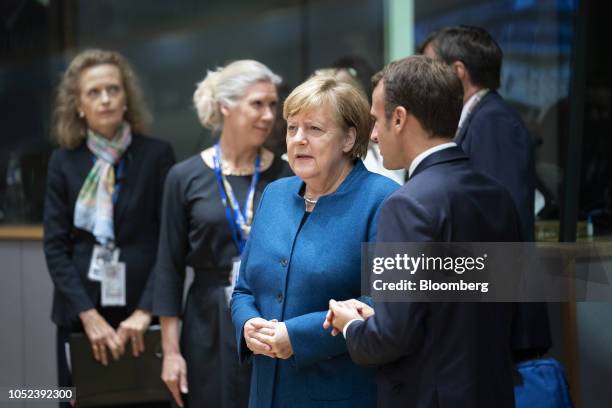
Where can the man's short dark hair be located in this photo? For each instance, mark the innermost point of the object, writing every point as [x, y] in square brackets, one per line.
[474, 47]
[428, 89]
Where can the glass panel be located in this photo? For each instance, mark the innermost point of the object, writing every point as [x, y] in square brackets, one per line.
[536, 39]
[595, 198]
[28, 39]
[170, 45]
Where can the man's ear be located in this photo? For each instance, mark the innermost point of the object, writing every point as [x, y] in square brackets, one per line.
[459, 69]
[349, 141]
[398, 119]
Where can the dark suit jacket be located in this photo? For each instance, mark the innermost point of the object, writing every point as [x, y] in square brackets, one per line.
[136, 220]
[442, 354]
[498, 145]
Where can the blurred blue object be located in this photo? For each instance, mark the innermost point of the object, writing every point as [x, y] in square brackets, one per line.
[544, 385]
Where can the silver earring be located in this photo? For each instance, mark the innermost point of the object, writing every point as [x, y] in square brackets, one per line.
[81, 114]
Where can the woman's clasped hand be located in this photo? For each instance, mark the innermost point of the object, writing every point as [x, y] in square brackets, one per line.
[102, 335]
[268, 337]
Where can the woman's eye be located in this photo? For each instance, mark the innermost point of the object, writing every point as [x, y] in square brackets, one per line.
[113, 89]
[257, 104]
[291, 128]
[316, 128]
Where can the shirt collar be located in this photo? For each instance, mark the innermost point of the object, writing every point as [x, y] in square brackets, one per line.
[471, 103]
[417, 160]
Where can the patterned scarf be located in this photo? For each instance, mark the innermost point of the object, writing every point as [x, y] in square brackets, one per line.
[93, 211]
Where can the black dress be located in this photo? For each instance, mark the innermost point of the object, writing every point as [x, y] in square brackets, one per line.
[195, 232]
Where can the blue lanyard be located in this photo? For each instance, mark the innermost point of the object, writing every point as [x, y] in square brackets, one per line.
[118, 175]
[238, 220]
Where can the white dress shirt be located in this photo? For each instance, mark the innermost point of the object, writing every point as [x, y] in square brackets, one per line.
[347, 325]
[467, 107]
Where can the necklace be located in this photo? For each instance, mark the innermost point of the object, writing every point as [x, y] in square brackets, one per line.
[229, 170]
[309, 200]
[267, 157]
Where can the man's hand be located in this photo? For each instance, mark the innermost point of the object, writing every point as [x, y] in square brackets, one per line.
[174, 375]
[340, 313]
[258, 326]
[101, 335]
[133, 328]
[278, 340]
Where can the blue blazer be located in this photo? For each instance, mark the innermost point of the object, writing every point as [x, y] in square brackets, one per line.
[442, 354]
[498, 145]
[289, 274]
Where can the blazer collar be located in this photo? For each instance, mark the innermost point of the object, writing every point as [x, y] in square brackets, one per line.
[466, 123]
[83, 160]
[347, 184]
[441, 156]
[128, 179]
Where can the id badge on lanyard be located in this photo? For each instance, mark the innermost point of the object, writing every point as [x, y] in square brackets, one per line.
[113, 285]
[239, 220]
[105, 267]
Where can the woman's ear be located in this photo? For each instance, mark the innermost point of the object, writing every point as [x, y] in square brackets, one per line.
[79, 111]
[224, 109]
[349, 141]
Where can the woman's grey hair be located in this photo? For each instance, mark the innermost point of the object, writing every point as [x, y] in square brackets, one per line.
[225, 86]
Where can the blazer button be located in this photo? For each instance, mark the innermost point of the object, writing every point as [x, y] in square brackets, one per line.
[284, 263]
[279, 297]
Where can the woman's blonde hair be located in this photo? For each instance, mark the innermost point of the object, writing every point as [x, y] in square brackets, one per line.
[69, 128]
[225, 86]
[341, 74]
[345, 98]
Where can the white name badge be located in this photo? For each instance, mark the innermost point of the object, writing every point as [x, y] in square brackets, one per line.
[113, 285]
[100, 257]
[233, 279]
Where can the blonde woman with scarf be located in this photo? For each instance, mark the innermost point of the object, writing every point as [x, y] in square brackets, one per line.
[102, 208]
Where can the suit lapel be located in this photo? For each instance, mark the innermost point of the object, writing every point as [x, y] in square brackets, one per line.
[84, 163]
